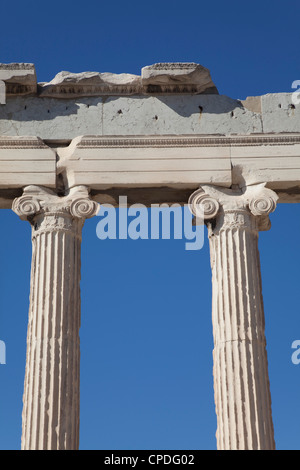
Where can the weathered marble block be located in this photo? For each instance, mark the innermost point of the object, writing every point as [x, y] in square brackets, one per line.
[17, 79]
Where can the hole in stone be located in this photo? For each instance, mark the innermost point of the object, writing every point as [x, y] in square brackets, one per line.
[155, 117]
[292, 106]
[66, 107]
[25, 107]
[279, 106]
[120, 111]
[232, 114]
[48, 110]
[200, 108]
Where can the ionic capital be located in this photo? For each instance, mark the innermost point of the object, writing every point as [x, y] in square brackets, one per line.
[37, 200]
[248, 208]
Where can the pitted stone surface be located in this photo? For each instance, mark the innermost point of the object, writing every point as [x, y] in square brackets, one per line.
[167, 99]
[279, 113]
[136, 115]
[50, 119]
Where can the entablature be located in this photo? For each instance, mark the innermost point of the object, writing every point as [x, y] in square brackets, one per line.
[151, 168]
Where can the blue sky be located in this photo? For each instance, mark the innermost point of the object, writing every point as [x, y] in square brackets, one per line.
[146, 334]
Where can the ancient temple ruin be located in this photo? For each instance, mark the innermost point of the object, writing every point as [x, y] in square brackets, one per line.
[165, 136]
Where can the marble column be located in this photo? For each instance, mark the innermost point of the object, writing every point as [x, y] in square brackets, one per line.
[241, 383]
[50, 419]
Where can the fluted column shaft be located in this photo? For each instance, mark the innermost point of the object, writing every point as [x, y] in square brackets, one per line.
[50, 418]
[241, 382]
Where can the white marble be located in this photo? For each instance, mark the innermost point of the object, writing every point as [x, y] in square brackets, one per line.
[241, 382]
[50, 419]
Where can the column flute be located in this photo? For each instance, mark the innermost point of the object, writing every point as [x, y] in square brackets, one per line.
[241, 382]
[50, 419]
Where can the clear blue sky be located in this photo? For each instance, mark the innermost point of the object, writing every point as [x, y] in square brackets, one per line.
[146, 335]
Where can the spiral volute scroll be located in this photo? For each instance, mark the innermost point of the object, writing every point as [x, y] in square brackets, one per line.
[263, 204]
[83, 208]
[203, 206]
[26, 207]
